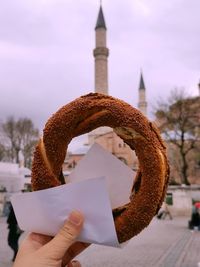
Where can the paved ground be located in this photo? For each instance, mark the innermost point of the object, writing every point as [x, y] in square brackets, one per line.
[163, 244]
[5, 252]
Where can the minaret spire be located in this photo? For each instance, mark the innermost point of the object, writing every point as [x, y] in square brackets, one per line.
[100, 19]
[142, 104]
[141, 86]
[101, 53]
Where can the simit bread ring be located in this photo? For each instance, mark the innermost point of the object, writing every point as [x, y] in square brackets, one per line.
[87, 113]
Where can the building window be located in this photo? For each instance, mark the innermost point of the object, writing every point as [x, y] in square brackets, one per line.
[169, 199]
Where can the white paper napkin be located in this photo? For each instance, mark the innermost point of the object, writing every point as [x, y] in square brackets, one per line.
[45, 211]
[99, 162]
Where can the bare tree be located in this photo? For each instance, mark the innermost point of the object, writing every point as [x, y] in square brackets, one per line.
[19, 135]
[2, 152]
[179, 121]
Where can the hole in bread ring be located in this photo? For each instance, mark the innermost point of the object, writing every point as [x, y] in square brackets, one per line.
[92, 111]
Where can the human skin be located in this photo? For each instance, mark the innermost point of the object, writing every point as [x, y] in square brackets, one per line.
[44, 251]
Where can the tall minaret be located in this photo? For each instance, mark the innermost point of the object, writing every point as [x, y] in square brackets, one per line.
[101, 53]
[142, 104]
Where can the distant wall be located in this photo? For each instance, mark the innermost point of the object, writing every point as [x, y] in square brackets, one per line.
[181, 198]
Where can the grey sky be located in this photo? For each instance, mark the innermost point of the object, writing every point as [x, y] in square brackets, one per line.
[46, 51]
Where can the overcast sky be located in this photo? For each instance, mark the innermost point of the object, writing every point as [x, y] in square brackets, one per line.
[46, 51]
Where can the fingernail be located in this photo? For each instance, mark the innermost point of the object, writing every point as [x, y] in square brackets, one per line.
[75, 217]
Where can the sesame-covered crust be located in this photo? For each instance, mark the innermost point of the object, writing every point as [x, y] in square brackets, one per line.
[92, 111]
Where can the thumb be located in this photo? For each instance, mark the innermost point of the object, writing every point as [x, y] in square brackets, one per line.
[57, 247]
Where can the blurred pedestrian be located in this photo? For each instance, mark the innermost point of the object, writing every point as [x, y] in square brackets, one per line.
[14, 232]
[195, 219]
[164, 212]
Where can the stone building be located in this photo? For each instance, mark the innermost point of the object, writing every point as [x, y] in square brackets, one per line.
[72, 159]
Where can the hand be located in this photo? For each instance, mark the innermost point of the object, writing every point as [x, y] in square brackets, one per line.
[44, 251]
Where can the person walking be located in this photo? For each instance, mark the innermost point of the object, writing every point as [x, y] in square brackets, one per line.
[164, 212]
[14, 232]
[194, 223]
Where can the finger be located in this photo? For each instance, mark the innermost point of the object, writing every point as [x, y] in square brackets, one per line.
[57, 247]
[33, 242]
[73, 251]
